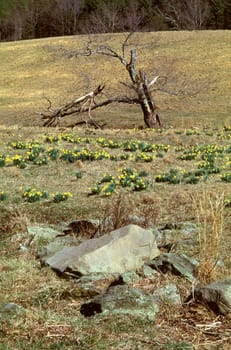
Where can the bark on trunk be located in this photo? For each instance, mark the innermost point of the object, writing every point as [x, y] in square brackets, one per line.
[145, 98]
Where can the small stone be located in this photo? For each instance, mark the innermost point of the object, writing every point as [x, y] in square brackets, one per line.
[169, 293]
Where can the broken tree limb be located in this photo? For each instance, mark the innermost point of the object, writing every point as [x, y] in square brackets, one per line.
[83, 104]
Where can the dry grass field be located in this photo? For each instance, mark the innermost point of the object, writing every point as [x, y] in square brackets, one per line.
[33, 69]
[183, 170]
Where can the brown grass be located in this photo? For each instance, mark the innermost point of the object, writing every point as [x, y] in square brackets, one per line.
[209, 209]
[32, 68]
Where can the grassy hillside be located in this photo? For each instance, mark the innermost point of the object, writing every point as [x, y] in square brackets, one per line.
[51, 176]
[33, 69]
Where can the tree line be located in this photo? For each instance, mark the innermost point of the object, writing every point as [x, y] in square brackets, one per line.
[28, 19]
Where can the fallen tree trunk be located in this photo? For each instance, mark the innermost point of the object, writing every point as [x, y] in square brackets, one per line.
[83, 104]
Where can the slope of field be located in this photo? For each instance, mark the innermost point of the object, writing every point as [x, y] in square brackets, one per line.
[174, 175]
[34, 69]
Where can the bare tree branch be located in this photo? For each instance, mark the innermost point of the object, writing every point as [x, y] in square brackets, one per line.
[140, 84]
[82, 105]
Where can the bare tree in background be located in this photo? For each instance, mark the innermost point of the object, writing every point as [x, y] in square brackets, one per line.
[140, 86]
[105, 19]
[66, 13]
[138, 91]
[111, 17]
[186, 14]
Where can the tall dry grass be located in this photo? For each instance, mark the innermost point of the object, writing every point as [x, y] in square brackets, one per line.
[209, 210]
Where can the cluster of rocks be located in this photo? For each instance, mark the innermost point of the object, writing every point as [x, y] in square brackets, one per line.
[108, 269]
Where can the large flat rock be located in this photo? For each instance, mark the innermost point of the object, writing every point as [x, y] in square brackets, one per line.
[122, 250]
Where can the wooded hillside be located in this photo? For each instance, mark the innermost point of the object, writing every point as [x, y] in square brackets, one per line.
[28, 19]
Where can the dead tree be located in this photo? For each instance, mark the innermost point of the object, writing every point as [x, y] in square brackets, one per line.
[81, 105]
[140, 84]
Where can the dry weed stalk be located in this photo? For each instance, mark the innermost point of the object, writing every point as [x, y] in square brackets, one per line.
[14, 220]
[208, 207]
[116, 214]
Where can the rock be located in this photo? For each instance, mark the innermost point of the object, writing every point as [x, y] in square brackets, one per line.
[169, 293]
[121, 299]
[217, 295]
[8, 310]
[179, 264]
[173, 234]
[121, 250]
[97, 283]
[148, 272]
[130, 277]
[136, 220]
[22, 249]
[41, 233]
[54, 247]
[82, 228]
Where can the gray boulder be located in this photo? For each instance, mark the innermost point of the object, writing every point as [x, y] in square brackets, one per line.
[122, 250]
[217, 295]
[45, 233]
[94, 284]
[178, 264]
[121, 299]
[175, 236]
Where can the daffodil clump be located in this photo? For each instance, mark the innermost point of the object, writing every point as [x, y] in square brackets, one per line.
[131, 146]
[144, 157]
[34, 152]
[145, 146]
[191, 132]
[60, 197]
[121, 156]
[160, 147]
[79, 174]
[108, 189]
[2, 160]
[172, 177]
[51, 138]
[103, 142]
[224, 136]
[41, 160]
[227, 164]
[19, 161]
[226, 177]
[3, 196]
[208, 167]
[26, 145]
[175, 176]
[67, 137]
[227, 202]
[17, 145]
[227, 128]
[189, 154]
[128, 177]
[53, 153]
[33, 195]
[83, 155]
